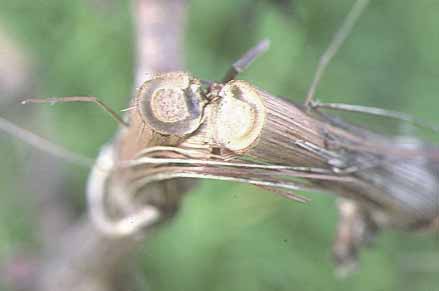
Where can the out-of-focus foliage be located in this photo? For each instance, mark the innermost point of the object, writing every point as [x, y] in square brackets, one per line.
[229, 236]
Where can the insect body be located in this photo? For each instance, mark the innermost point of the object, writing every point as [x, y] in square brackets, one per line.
[237, 122]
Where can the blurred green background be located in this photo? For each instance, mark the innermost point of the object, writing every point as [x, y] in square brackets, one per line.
[228, 236]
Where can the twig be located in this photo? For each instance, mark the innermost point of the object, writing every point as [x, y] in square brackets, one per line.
[43, 145]
[87, 258]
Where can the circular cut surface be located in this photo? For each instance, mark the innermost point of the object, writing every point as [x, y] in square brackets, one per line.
[169, 105]
[236, 120]
[239, 116]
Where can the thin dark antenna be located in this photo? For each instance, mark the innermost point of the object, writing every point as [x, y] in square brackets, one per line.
[336, 42]
[377, 112]
[245, 60]
[88, 99]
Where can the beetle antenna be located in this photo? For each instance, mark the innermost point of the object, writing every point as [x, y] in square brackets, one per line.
[247, 59]
[88, 99]
[336, 42]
